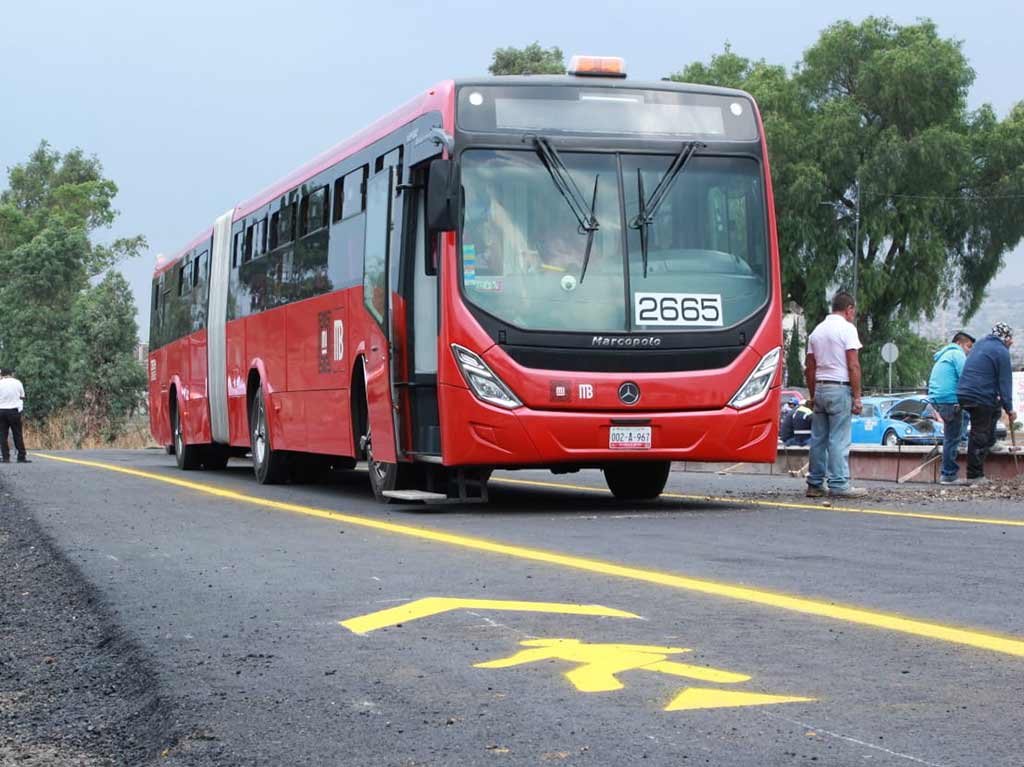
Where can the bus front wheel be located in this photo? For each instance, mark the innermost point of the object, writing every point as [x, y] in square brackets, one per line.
[639, 481]
[267, 463]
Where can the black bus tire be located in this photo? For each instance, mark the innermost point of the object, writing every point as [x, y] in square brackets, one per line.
[269, 465]
[637, 481]
[188, 457]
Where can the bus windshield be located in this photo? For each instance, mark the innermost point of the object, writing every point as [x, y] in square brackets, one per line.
[523, 248]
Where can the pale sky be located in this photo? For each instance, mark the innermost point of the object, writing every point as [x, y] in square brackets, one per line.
[195, 106]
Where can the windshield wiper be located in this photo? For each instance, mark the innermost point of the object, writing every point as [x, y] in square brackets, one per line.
[649, 208]
[571, 193]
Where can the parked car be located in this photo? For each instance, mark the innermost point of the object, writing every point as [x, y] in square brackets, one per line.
[1001, 431]
[909, 420]
[895, 421]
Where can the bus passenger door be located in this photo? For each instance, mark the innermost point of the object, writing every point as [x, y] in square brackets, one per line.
[376, 301]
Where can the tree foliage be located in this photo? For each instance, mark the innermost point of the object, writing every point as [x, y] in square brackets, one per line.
[531, 60]
[53, 205]
[941, 188]
[106, 379]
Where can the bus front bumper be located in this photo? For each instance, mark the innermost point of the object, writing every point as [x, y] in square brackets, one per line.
[480, 434]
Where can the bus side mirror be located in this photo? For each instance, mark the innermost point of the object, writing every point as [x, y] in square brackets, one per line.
[443, 207]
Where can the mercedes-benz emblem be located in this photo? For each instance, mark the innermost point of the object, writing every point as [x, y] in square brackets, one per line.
[629, 393]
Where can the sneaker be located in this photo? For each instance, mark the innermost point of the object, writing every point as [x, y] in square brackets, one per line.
[24, 460]
[849, 492]
[952, 481]
[979, 481]
[815, 491]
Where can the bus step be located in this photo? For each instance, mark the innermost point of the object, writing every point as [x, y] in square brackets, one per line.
[415, 495]
[468, 487]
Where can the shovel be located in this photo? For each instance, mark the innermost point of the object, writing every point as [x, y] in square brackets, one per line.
[1011, 424]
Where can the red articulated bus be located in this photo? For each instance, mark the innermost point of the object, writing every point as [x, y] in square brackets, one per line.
[507, 272]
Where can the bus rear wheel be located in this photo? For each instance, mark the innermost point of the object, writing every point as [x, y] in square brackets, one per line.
[189, 457]
[384, 476]
[268, 464]
[639, 481]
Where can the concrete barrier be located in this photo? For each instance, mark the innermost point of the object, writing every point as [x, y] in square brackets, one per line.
[900, 463]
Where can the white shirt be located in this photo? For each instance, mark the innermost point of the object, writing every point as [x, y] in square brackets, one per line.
[11, 394]
[829, 343]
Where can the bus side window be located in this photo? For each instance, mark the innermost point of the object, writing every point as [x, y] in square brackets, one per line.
[184, 277]
[350, 194]
[247, 246]
[275, 229]
[199, 270]
[260, 243]
[312, 211]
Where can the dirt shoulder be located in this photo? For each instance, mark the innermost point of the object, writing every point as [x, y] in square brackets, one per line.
[74, 690]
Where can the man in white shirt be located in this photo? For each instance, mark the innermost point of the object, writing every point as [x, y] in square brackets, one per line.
[833, 381]
[12, 399]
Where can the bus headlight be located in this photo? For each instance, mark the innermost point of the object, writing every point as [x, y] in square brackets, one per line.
[755, 388]
[482, 380]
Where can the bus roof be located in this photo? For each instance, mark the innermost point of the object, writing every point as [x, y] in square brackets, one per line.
[601, 82]
[436, 98]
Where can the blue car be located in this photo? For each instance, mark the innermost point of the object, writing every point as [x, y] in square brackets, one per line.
[896, 421]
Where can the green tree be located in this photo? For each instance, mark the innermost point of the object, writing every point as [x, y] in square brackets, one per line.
[107, 381]
[53, 205]
[794, 359]
[531, 60]
[880, 109]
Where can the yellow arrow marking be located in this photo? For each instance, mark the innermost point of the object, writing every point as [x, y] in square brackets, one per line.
[428, 606]
[699, 697]
[599, 663]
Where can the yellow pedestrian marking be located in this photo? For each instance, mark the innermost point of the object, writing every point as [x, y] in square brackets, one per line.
[428, 606]
[776, 504]
[982, 640]
[600, 663]
[700, 697]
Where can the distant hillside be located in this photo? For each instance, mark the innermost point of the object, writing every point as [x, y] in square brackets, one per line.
[1002, 304]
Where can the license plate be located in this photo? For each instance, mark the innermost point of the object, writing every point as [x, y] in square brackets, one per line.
[630, 438]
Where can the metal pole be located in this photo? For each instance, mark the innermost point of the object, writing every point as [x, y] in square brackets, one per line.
[890, 378]
[856, 247]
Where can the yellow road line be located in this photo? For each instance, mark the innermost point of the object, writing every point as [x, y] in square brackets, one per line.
[778, 504]
[986, 641]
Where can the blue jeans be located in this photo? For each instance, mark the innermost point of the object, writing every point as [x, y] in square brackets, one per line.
[952, 429]
[830, 437]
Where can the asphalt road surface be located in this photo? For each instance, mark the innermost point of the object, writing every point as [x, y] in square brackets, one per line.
[732, 622]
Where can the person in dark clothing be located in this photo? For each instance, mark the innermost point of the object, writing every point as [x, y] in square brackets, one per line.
[803, 418]
[984, 390]
[786, 424]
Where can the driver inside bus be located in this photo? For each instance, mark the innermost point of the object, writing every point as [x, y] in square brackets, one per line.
[486, 233]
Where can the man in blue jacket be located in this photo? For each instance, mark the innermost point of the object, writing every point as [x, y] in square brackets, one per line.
[985, 389]
[949, 364]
